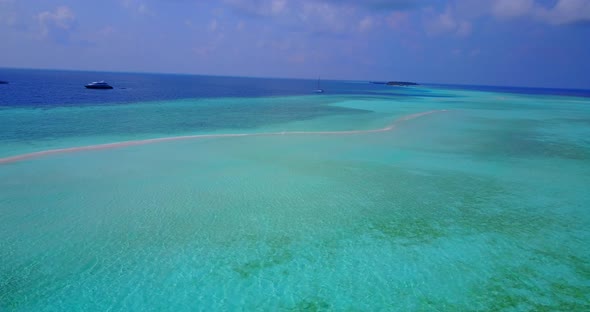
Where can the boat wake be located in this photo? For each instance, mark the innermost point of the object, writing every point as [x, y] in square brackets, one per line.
[22, 157]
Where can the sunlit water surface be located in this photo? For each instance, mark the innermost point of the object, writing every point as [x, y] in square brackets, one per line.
[484, 206]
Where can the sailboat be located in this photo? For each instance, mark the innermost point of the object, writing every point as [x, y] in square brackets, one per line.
[319, 90]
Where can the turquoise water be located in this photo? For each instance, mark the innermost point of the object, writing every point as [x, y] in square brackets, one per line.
[483, 206]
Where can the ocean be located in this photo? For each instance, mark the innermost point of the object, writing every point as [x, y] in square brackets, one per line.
[201, 193]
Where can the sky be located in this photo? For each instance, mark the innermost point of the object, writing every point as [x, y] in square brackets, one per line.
[539, 43]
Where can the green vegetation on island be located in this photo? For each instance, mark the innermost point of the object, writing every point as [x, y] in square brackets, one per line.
[401, 83]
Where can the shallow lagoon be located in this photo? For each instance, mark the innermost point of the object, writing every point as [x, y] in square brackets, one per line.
[480, 207]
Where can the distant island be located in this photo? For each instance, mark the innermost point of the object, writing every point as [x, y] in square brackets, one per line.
[401, 83]
[395, 83]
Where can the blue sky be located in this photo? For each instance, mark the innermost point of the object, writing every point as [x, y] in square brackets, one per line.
[495, 42]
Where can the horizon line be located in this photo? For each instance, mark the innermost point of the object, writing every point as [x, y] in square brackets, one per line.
[285, 78]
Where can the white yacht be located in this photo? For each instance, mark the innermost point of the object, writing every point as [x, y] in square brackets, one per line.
[98, 85]
[319, 90]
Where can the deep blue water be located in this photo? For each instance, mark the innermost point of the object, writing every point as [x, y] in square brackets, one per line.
[29, 87]
[52, 87]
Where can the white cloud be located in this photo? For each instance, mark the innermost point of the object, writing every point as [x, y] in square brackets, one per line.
[57, 24]
[138, 7]
[240, 26]
[213, 25]
[326, 17]
[315, 16]
[446, 23]
[259, 7]
[277, 6]
[366, 23]
[106, 31]
[512, 8]
[143, 9]
[298, 58]
[562, 12]
[463, 28]
[8, 18]
[382, 5]
[565, 12]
